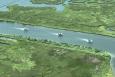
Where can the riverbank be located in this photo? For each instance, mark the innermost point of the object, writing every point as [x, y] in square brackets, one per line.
[61, 60]
[53, 59]
[47, 1]
[60, 28]
[48, 17]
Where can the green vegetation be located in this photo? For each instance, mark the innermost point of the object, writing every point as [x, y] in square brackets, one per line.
[47, 1]
[77, 17]
[32, 58]
[25, 57]
[13, 56]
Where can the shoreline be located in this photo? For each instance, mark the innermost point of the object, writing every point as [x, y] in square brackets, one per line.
[35, 25]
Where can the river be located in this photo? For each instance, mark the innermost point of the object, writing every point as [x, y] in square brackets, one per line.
[77, 38]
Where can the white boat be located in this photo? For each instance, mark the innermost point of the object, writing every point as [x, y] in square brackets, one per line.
[90, 41]
[60, 34]
[26, 29]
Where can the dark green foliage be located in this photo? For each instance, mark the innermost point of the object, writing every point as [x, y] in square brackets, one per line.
[32, 58]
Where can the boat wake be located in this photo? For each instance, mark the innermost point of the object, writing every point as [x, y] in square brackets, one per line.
[87, 40]
[23, 29]
[55, 34]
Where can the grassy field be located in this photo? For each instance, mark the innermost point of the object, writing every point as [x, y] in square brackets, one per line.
[57, 60]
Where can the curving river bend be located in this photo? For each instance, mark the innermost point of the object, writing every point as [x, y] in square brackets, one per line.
[76, 38]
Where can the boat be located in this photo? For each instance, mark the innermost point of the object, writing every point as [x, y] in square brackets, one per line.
[25, 29]
[60, 34]
[90, 41]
